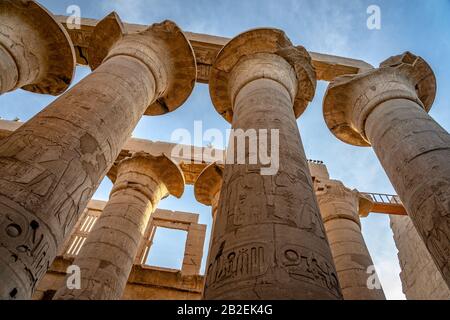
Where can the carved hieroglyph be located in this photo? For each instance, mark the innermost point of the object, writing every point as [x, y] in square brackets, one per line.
[268, 241]
[36, 53]
[51, 166]
[421, 279]
[387, 109]
[340, 208]
[107, 256]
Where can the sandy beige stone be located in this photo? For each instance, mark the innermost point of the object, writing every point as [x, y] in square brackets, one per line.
[144, 283]
[208, 185]
[51, 165]
[207, 189]
[421, 279]
[206, 48]
[340, 208]
[387, 109]
[268, 241]
[36, 52]
[107, 257]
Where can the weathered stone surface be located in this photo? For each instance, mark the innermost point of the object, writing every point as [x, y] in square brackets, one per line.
[207, 189]
[340, 208]
[36, 52]
[268, 241]
[192, 164]
[421, 279]
[51, 165]
[206, 48]
[387, 109]
[106, 258]
[208, 185]
[144, 283]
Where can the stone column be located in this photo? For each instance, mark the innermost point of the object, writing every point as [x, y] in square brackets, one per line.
[207, 191]
[51, 165]
[107, 256]
[268, 241]
[340, 208]
[36, 53]
[208, 185]
[387, 109]
[421, 279]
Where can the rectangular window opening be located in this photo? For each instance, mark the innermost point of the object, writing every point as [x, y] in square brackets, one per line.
[167, 249]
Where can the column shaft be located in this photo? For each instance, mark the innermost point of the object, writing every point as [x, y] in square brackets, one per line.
[415, 153]
[354, 266]
[51, 166]
[387, 108]
[107, 257]
[268, 241]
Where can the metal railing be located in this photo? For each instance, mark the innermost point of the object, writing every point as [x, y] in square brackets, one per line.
[386, 203]
[383, 198]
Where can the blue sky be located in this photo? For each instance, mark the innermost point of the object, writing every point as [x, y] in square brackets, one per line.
[328, 26]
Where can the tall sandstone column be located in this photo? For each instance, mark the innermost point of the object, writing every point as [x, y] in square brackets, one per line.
[107, 257]
[387, 109]
[421, 279]
[36, 53]
[268, 241]
[207, 190]
[340, 208]
[51, 166]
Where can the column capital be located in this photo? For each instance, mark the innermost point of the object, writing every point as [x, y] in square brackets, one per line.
[37, 53]
[261, 53]
[163, 43]
[159, 167]
[350, 99]
[208, 184]
[335, 192]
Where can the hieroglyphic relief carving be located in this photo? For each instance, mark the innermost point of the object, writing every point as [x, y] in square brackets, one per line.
[387, 108]
[51, 165]
[303, 263]
[259, 81]
[28, 242]
[240, 263]
[107, 256]
[277, 201]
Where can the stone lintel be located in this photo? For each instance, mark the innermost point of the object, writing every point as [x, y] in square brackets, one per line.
[191, 165]
[206, 48]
